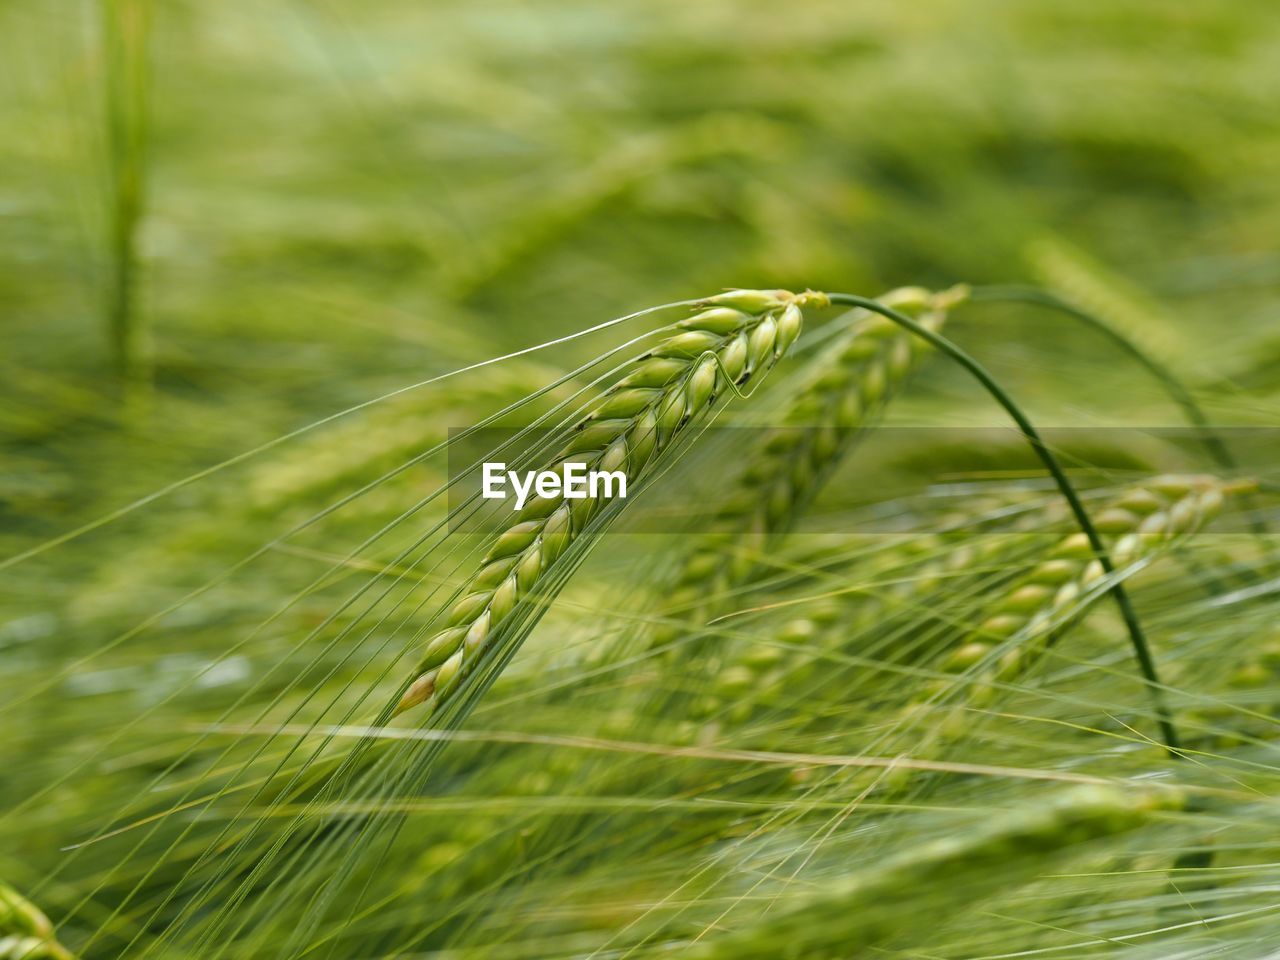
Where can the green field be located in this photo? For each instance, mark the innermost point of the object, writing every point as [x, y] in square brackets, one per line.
[846, 680]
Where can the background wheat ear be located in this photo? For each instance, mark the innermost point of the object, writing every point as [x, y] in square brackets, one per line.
[852, 914]
[1139, 525]
[25, 932]
[838, 394]
[826, 614]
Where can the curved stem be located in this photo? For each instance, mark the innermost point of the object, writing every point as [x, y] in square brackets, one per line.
[1205, 431]
[1136, 635]
[1173, 386]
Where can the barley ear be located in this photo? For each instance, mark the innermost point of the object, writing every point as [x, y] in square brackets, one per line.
[733, 340]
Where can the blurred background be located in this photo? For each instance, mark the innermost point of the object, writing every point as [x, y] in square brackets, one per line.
[222, 222]
[264, 213]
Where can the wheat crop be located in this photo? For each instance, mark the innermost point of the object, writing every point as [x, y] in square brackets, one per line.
[730, 344]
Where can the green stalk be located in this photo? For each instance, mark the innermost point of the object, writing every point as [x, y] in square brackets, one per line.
[1013, 293]
[1136, 635]
[125, 34]
[1213, 443]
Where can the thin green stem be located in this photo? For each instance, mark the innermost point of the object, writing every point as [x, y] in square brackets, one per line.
[1137, 636]
[1207, 434]
[1195, 415]
[125, 33]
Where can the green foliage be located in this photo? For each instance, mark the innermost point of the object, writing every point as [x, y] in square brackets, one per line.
[782, 730]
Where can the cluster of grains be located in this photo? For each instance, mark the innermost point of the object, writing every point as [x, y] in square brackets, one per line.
[734, 340]
[25, 932]
[911, 572]
[852, 381]
[850, 915]
[1029, 617]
